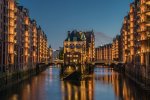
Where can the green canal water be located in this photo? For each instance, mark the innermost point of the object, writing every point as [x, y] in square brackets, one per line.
[104, 84]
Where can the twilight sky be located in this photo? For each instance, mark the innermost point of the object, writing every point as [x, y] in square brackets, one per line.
[56, 17]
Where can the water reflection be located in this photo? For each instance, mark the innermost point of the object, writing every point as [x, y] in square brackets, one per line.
[123, 87]
[83, 90]
[105, 84]
[40, 87]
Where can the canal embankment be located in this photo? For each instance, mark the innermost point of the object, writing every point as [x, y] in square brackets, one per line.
[8, 79]
[136, 73]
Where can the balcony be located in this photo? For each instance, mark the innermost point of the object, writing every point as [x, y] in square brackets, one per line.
[148, 28]
[143, 29]
[34, 44]
[11, 41]
[11, 23]
[147, 18]
[26, 27]
[26, 45]
[143, 40]
[148, 12]
[34, 35]
[26, 40]
[26, 34]
[147, 2]
[148, 23]
[147, 7]
[148, 34]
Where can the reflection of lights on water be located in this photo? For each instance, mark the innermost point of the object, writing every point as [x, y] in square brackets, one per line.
[70, 68]
[15, 97]
[28, 88]
[83, 92]
[63, 89]
[62, 86]
[103, 71]
[90, 85]
[75, 92]
[36, 79]
[51, 74]
[77, 68]
[90, 89]
[69, 91]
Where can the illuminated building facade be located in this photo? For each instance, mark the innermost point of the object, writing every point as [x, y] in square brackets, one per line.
[79, 47]
[33, 43]
[135, 35]
[9, 34]
[42, 46]
[116, 49]
[104, 52]
[19, 61]
[25, 39]
[75, 48]
[19, 39]
[125, 40]
[90, 45]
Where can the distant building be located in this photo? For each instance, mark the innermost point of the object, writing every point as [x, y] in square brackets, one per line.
[75, 48]
[33, 43]
[104, 53]
[42, 46]
[111, 51]
[79, 47]
[55, 54]
[90, 45]
[50, 54]
[116, 49]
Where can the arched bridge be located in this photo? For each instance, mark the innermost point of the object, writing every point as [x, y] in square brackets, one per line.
[57, 61]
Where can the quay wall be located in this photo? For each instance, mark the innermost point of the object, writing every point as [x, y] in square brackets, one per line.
[9, 79]
[139, 74]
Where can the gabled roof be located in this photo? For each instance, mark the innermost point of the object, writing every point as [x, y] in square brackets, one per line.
[75, 36]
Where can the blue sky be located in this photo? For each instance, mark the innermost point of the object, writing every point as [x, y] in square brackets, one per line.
[56, 17]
